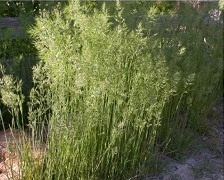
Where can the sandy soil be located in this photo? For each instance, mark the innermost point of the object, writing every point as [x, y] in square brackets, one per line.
[10, 140]
[9, 164]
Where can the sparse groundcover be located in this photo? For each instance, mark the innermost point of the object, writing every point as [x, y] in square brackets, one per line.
[108, 95]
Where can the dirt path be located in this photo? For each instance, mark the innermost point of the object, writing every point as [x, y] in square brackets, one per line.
[205, 162]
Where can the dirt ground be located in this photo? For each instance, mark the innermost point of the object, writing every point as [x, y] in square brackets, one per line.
[10, 140]
[206, 159]
[7, 156]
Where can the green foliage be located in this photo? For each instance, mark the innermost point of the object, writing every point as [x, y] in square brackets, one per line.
[103, 89]
[193, 51]
[113, 88]
[17, 55]
[27, 8]
[221, 5]
[11, 96]
[13, 52]
[165, 7]
[14, 9]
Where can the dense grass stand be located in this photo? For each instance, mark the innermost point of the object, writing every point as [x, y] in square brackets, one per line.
[115, 92]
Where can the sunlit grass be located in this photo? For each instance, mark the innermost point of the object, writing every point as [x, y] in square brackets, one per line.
[106, 99]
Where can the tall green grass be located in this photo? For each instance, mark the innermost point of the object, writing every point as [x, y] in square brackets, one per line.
[110, 97]
[192, 49]
[105, 93]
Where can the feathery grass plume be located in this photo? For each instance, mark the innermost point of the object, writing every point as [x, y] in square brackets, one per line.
[111, 95]
[12, 97]
[105, 91]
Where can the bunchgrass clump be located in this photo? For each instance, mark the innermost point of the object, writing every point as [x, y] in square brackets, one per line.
[104, 91]
[108, 96]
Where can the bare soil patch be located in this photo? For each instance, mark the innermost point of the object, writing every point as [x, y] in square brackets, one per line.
[10, 141]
